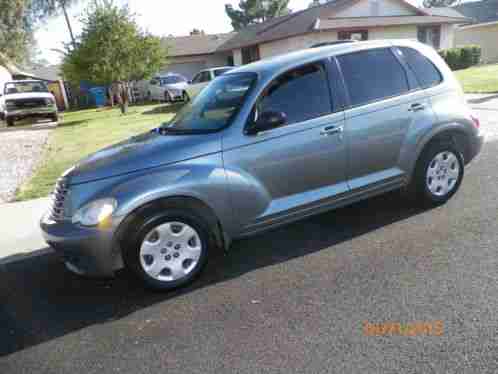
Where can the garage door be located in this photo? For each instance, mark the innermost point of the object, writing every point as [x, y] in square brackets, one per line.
[188, 69]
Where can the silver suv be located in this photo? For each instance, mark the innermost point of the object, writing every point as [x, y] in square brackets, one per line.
[264, 145]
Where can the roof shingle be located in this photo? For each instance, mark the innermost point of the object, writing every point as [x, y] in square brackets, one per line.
[194, 44]
[479, 11]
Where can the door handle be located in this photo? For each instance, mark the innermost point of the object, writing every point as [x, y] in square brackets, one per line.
[416, 107]
[330, 130]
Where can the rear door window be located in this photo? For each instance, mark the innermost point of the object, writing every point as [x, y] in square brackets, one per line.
[426, 73]
[373, 75]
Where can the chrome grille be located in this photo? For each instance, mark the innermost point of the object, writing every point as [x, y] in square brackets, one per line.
[58, 200]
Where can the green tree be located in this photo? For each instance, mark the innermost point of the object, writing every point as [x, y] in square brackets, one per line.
[15, 30]
[256, 11]
[112, 49]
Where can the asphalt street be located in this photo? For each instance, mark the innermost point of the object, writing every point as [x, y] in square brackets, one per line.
[292, 300]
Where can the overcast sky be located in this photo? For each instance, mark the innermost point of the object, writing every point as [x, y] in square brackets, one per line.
[160, 17]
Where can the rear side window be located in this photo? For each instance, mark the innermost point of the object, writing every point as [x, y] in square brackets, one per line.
[425, 71]
[373, 75]
[301, 94]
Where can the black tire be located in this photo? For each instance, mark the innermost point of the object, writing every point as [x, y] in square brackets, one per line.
[10, 122]
[186, 97]
[54, 117]
[142, 226]
[419, 185]
[167, 97]
[2, 116]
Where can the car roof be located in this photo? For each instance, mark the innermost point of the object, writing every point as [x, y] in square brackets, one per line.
[304, 56]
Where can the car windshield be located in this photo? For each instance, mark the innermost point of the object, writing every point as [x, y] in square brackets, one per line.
[219, 72]
[172, 79]
[215, 107]
[22, 87]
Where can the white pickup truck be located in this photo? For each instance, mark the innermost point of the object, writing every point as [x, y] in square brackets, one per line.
[24, 99]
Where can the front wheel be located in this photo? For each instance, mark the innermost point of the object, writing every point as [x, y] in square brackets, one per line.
[186, 97]
[169, 251]
[439, 173]
[10, 122]
[167, 97]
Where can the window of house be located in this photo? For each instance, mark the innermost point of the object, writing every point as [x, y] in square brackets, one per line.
[250, 54]
[301, 94]
[373, 75]
[358, 35]
[425, 71]
[430, 35]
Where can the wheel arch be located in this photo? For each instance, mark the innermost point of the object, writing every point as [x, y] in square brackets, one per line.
[452, 134]
[190, 203]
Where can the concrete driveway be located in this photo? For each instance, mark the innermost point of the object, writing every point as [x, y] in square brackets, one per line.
[293, 300]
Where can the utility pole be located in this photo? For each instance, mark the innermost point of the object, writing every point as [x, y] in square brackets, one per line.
[63, 5]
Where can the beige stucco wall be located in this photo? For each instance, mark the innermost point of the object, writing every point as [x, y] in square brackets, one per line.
[394, 32]
[296, 43]
[485, 36]
[366, 8]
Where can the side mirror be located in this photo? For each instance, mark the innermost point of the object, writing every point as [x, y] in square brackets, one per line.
[267, 121]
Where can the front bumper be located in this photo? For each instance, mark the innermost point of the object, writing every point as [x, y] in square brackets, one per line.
[86, 250]
[31, 112]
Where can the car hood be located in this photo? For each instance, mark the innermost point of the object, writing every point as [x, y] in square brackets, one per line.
[28, 95]
[145, 151]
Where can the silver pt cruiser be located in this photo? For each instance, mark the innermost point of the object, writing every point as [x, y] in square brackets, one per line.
[264, 145]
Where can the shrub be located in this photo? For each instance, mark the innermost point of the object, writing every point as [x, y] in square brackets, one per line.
[461, 57]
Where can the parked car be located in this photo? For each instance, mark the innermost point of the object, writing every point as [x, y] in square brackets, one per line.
[202, 79]
[27, 99]
[264, 145]
[169, 88]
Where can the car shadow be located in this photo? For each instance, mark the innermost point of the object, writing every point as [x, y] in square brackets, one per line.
[41, 300]
[483, 99]
[164, 109]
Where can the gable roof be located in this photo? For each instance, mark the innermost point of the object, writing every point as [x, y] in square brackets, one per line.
[322, 18]
[194, 44]
[480, 11]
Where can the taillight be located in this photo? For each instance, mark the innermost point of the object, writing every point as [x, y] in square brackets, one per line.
[476, 121]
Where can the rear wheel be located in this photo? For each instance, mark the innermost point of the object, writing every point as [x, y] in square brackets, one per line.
[10, 121]
[439, 173]
[169, 250]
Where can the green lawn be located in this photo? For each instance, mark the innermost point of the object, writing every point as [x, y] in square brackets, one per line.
[81, 133]
[480, 79]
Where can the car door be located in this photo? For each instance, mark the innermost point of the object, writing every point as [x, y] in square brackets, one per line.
[280, 175]
[384, 106]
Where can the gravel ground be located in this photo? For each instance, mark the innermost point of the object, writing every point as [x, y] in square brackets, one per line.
[20, 152]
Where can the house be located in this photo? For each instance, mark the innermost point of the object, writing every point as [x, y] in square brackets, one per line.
[344, 19]
[187, 55]
[483, 29]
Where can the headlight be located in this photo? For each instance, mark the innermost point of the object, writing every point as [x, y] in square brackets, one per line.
[96, 212]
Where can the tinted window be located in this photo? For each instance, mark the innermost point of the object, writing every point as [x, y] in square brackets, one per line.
[301, 94]
[373, 75]
[173, 79]
[197, 78]
[205, 77]
[425, 71]
[219, 72]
